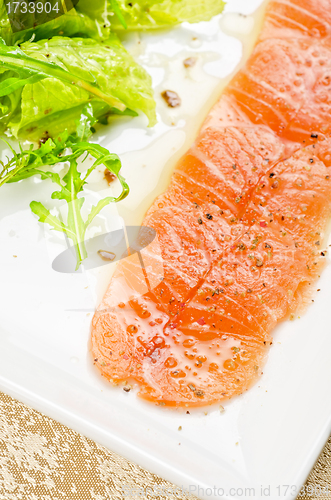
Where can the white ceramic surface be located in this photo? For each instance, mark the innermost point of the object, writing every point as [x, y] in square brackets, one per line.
[271, 436]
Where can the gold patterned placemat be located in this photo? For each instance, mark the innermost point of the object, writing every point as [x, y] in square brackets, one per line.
[41, 459]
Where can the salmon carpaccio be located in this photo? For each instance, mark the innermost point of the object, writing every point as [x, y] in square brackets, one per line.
[240, 229]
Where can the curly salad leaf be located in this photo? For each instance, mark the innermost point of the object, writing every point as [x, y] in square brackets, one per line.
[64, 74]
[28, 163]
[152, 14]
[69, 188]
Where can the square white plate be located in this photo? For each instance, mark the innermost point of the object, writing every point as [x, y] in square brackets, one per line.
[270, 437]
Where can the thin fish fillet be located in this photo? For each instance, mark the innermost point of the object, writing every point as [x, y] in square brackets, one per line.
[240, 229]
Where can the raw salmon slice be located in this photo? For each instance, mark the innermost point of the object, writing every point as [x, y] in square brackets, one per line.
[240, 230]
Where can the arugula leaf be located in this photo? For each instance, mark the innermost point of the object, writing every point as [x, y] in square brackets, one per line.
[85, 124]
[11, 84]
[46, 217]
[70, 186]
[27, 163]
[53, 124]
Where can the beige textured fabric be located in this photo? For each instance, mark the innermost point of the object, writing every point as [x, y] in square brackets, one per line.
[41, 459]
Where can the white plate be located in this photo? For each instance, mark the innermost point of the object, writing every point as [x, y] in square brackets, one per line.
[268, 438]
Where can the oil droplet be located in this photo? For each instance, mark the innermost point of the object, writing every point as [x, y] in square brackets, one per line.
[178, 374]
[213, 367]
[201, 359]
[189, 355]
[132, 329]
[158, 341]
[230, 365]
[145, 314]
[170, 362]
[189, 342]
[121, 305]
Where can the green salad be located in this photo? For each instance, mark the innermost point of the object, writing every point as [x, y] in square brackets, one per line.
[60, 78]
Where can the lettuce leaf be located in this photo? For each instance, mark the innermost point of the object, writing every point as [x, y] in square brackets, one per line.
[9, 104]
[44, 98]
[72, 23]
[44, 128]
[51, 78]
[152, 14]
[101, 72]
[97, 10]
